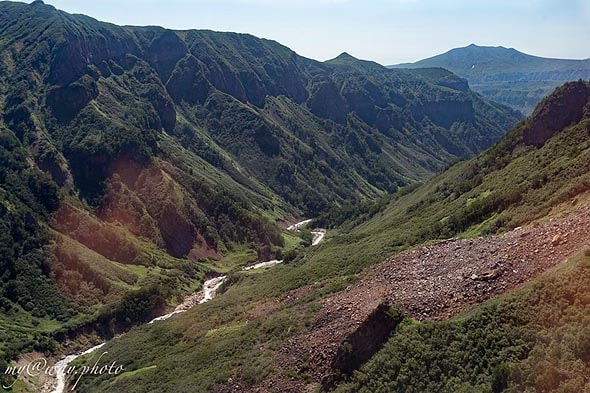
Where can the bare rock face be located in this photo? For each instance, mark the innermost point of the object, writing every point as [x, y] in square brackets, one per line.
[362, 344]
[165, 50]
[188, 81]
[67, 101]
[326, 101]
[560, 110]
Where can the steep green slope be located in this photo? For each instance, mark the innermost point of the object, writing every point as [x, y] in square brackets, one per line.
[28, 296]
[214, 91]
[238, 336]
[351, 134]
[506, 75]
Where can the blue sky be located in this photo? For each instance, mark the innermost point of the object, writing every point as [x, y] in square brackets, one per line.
[386, 31]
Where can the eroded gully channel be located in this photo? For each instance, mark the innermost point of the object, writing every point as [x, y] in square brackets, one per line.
[208, 292]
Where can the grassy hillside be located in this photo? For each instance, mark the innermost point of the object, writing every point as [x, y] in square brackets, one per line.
[540, 163]
[506, 75]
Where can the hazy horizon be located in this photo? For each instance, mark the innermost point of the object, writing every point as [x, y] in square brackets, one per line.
[387, 31]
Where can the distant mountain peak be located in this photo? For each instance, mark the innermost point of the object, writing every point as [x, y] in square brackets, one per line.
[507, 75]
[346, 59]
[345, 56]
[483, 47]
[41, 5]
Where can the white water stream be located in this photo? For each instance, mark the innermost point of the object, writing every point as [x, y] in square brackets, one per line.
[61, 369]
[318, 236]
[263, 264]
[298, 225]
[208, 292]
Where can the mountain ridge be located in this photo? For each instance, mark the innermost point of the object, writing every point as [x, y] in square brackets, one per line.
[473, 51]
[474, 46]
[179, 87]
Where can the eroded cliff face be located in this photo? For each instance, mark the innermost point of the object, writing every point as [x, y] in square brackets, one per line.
[362, 344]
[566, 107]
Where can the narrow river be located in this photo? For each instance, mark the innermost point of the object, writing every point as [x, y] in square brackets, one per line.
[208, 292]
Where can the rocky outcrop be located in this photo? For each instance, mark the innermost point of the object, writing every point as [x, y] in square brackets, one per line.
[325, 100]
[560, 110]
[362, 344]
[165, 50]
[67, 101]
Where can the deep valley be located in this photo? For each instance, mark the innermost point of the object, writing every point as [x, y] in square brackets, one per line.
[214, 212]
